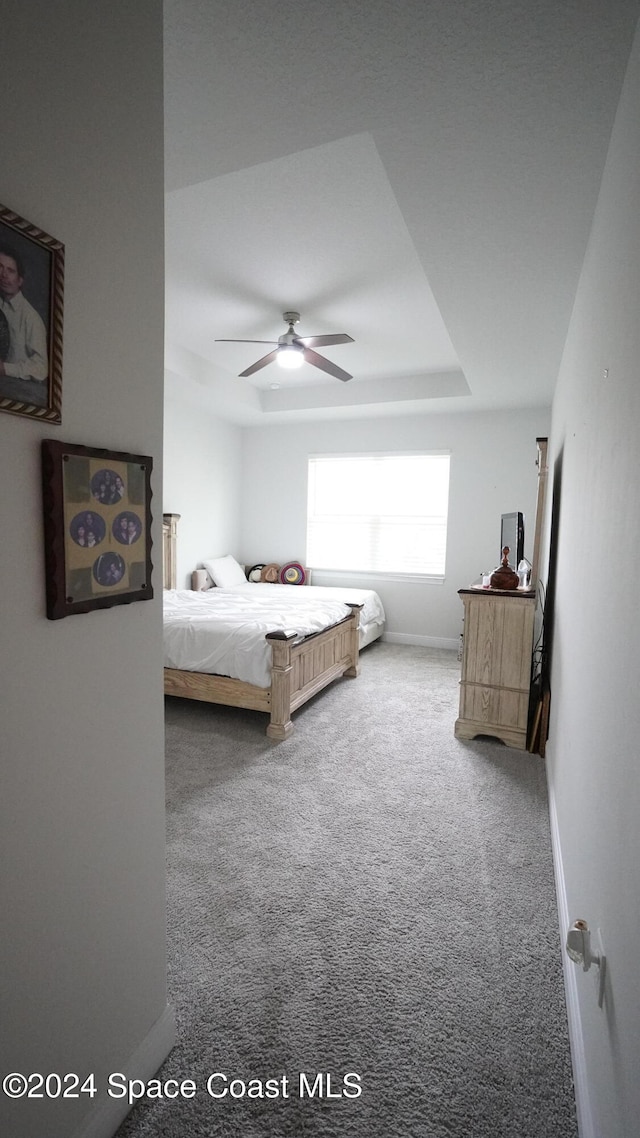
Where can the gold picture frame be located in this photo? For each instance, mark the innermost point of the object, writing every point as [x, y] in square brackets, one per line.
[31, 316]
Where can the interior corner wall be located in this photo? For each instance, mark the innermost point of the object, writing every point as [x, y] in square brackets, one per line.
[592, 752]
[82, 802]
[493, 471]
[202, 478]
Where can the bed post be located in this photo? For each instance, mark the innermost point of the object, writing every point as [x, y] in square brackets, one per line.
[280, 725]
[169, 535]
[354, 646]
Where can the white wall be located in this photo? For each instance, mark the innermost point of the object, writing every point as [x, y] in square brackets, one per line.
[82, 800]
[202, 477]
[493, 471]
[593, 768]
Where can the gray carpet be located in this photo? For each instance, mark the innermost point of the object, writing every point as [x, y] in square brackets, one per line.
[370, 896]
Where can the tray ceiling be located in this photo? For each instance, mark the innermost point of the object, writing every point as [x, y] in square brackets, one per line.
[421, 176]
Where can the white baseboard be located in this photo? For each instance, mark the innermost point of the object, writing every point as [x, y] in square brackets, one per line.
[586, 1127]
[421, 641]
[106, 1116]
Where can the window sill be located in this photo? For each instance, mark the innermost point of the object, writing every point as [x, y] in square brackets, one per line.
[359, 575]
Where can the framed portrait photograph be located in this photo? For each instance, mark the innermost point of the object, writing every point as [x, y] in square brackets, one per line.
[31, 310]
[97, 527]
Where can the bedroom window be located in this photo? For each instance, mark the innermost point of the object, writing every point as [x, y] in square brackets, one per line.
[380, 513]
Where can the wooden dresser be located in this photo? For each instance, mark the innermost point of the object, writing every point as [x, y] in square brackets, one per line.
[496, 664]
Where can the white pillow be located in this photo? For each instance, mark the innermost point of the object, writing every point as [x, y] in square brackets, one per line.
[225, 571]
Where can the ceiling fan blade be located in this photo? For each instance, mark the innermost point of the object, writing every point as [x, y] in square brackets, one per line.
[245, 341]
[325, 341]
[269, 358]
[326, 365]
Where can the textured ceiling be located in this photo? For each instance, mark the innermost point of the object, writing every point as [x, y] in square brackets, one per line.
[421, 175]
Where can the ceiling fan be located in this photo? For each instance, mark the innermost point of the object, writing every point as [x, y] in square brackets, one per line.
[293, 350]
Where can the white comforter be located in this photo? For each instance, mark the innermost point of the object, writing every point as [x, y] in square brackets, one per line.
[372, 614]
[222, 631]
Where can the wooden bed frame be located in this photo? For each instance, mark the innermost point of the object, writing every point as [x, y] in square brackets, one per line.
[300, 666]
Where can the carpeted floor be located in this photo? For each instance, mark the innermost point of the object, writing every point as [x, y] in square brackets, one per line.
[371, 901]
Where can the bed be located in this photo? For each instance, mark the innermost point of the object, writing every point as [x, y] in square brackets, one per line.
[372, 615]
[291, 653]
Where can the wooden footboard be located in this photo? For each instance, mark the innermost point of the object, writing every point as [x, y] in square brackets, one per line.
[300, 668]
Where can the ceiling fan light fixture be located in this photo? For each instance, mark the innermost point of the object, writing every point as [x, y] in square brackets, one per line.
[291, 351]
[290, 356]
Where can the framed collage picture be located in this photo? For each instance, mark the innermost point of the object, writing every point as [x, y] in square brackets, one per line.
[97, 523]
[31, 311]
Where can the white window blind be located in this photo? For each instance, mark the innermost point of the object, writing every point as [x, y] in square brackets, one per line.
[385, 513]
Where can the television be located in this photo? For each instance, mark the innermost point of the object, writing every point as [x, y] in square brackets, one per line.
[512, 534]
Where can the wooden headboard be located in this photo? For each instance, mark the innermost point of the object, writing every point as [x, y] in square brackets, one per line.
[169, 536]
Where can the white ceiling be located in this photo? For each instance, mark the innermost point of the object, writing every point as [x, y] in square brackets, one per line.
[420, 174]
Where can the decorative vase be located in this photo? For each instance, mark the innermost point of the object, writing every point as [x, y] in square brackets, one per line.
[504, 577]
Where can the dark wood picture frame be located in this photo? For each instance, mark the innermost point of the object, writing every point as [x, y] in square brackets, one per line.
[31, 278]
[97, 527]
